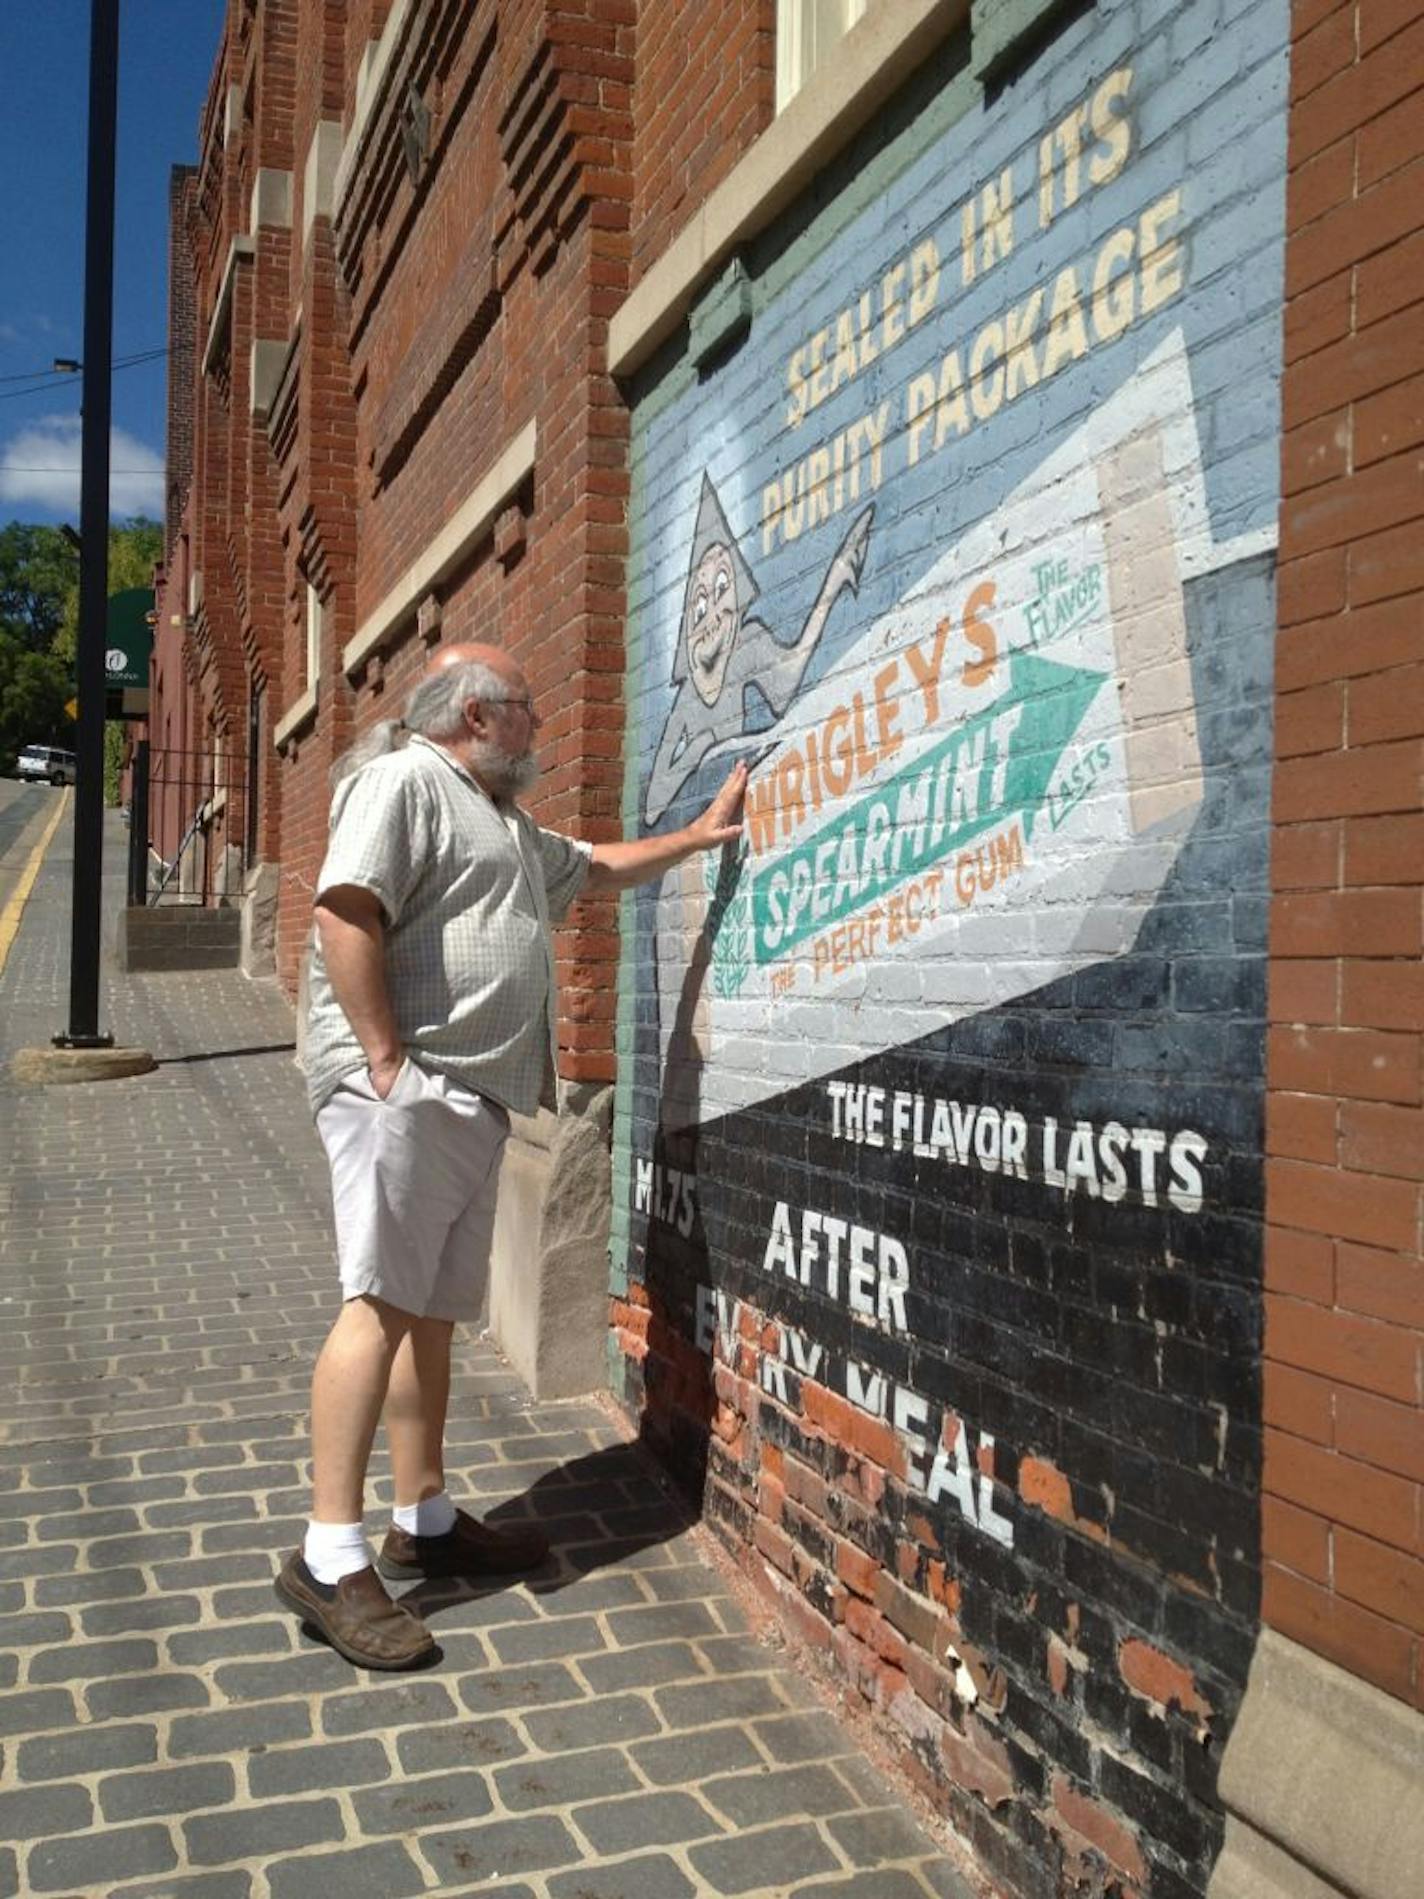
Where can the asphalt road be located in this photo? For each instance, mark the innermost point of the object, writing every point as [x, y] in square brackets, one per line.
[24, 811]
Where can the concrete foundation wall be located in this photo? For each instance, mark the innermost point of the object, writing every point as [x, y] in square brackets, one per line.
[548, 1301]
[259, 920]
[1322, 1784]
[180, 936]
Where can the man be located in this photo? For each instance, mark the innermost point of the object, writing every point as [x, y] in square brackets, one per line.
[432, 1019]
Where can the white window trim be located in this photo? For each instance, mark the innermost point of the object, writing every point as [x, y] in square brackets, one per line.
[301, 713]
[217, 804]
[465, 529]
[799, 27]
[891, 42]
[313, 636]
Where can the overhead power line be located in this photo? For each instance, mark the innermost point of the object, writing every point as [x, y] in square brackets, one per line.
[53, 380]
[120, 362]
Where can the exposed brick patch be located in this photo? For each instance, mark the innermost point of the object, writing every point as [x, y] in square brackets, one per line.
[1085, 1826]
[1162, 1681]
[1043, 1484]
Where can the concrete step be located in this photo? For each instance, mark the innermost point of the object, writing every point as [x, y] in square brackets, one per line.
[178, 937]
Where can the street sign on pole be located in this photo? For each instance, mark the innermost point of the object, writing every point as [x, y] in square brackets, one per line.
[128, 648]
[128, 637]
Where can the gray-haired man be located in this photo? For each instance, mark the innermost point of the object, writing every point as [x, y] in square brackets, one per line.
[432, 1019]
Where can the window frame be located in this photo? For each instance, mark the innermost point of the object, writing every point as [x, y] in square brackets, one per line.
[804, 41]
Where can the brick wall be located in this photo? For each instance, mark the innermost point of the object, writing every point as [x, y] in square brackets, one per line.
[1012, 1495]
[471, 300]
[428, 319]
[1344, 1459]
[700, 99]
[969, 1383]
[178, 455]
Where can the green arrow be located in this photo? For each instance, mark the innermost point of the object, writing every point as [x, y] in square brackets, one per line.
[1054, 699]
[990, 768]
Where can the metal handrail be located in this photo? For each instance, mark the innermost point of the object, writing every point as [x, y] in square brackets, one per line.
[195, 777]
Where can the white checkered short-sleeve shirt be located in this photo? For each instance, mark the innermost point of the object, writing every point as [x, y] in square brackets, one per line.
[469, 889]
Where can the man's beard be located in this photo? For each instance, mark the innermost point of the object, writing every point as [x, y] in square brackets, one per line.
[506, 774]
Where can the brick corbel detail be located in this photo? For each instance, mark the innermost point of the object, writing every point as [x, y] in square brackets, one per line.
[565, 134]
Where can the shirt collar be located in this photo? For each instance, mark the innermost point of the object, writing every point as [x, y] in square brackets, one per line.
[460, 771]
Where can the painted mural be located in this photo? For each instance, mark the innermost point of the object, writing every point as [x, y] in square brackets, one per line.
[938, 1141]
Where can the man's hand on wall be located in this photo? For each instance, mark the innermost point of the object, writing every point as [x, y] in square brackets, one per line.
[617, 866]
[721, 822]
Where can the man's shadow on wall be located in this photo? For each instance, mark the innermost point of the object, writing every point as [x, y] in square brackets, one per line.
[679, 1410]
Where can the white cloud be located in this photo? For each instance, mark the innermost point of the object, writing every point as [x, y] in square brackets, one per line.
[40, 465]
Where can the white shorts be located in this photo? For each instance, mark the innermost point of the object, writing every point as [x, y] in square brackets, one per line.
[413, 1182]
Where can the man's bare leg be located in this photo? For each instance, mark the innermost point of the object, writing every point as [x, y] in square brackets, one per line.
[349, 1386]
[330, 1581]
[417, 1398]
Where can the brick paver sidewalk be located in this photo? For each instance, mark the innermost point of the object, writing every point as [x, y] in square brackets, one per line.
[613, 1730]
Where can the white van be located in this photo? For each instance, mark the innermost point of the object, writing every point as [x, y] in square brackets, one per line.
[40, 762]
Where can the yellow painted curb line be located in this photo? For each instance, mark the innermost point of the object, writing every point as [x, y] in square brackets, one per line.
[15, 907]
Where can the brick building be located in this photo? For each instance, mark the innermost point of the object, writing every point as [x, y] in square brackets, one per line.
[1001, 424]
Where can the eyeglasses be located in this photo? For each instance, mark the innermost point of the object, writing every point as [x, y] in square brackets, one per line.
[508, 700]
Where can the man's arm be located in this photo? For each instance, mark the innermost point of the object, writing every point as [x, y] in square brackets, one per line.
[353, 946]
[617, 866]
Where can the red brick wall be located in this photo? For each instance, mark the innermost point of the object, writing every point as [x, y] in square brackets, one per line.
[431, 407]
[1344, 1452]
[310, 440]
[182, 319]
[699, 101]
[388, 418]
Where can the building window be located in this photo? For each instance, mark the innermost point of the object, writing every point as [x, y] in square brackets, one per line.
[806, 30]
[313, 636]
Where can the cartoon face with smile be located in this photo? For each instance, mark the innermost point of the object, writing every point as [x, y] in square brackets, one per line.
[710, 621]
[724, 651]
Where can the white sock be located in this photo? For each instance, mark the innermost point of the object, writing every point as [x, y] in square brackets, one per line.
[334, 1550]
[432, 1516]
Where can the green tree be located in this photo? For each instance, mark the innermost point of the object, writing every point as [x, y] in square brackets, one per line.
[33, 691]
[37, 576]
[134, 548]
[39, 632]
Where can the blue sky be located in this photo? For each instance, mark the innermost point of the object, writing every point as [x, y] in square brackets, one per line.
[167, 50]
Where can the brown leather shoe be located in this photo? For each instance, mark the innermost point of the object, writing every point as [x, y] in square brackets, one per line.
[471, 1549]
[356, 1616]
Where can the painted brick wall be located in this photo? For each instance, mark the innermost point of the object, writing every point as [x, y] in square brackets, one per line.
[938, 1145]
[1344, 1457]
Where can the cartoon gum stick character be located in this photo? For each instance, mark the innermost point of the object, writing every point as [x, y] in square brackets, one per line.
[1164, 769]
[721, 653]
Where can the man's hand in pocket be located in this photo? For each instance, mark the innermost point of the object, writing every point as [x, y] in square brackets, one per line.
[385, 1074]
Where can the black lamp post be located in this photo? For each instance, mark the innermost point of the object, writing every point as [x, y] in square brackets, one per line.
[83, 1030]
